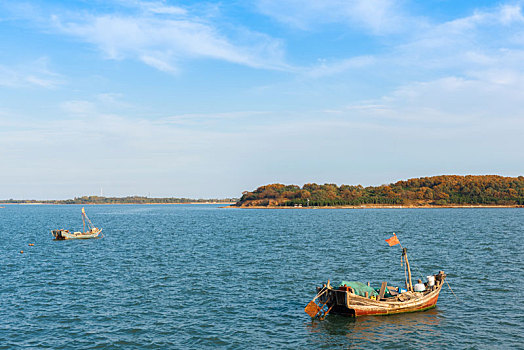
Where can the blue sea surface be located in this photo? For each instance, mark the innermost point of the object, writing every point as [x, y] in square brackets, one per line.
[200, 276]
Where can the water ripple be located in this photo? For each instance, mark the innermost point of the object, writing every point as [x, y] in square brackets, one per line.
[196, 276]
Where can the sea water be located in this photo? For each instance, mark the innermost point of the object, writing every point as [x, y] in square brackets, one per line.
[200, 276]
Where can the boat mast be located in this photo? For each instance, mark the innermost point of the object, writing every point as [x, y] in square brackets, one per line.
[86, 221]
[83, 219]
[409, 285]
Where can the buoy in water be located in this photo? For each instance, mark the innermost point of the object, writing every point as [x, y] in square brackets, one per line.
[21, 252]
[31, 244]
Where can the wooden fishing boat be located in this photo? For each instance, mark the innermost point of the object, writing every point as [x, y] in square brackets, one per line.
[93, 232]
[356, 299]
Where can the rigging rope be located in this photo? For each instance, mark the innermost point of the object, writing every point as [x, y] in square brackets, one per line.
[422, 277]
[320, 293]
[418, 271]
[452, 291]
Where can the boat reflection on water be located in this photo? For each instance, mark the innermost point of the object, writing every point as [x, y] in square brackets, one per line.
[392, 329]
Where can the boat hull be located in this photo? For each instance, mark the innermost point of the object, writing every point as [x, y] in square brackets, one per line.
[65, 234]
[345, 303]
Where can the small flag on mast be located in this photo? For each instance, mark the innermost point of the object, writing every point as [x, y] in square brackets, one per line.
[393, 240]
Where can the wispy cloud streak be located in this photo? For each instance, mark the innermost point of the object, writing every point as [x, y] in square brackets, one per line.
[30, 74]
[378, 17]
[162, 36]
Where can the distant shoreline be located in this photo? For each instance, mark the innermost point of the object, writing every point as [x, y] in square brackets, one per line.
[152, 203]
[379, 207]
[231, 205]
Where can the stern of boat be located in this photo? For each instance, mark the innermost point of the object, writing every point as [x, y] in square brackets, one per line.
[337, 301]
[59, 235]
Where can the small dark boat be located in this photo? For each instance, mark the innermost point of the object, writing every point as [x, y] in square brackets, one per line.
[93, 231]
[356, 299]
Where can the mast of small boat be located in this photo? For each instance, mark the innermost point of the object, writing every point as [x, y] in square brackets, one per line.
[409, 285]
[86, 221]
[394, 241]
[83, 219]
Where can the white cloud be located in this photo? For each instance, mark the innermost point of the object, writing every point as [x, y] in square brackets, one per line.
[154, 7]
[452, 86]
[483, 41]
[198, 155]
[101, 104]
[220, 120]
[449, 103]
[479, 40]
[160, 8]
[326, 68]
[376, 16]
[35, 73]
[464, 47]
[78, 107]
[112, 100]
[129, 155]
[482, 28]
[162, 36]
[510, 14]
[161, 64]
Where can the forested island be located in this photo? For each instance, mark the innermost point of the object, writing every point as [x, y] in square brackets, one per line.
[444, 190]
[119, 200]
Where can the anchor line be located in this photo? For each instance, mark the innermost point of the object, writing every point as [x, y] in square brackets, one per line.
[453, 291]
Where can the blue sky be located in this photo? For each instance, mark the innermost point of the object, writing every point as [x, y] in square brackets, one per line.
[208, 99]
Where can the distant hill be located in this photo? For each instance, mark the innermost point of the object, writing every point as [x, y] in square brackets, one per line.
[444, 190]
[119, 200]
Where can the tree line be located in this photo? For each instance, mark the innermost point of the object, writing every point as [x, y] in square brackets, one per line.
[436, 190]
[120, 200]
